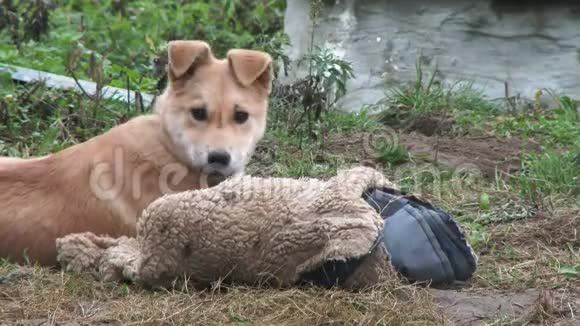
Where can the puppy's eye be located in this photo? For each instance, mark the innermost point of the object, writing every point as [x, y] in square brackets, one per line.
[240, 117]
[199, 114]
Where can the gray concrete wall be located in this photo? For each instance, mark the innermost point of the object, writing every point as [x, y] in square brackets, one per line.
[530, 44]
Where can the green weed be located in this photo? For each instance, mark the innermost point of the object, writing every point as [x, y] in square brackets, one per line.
[36, 120]
[550, 173]
[432, 96]
[461, 101]
[351, 121]
[392, 154]
[477, 235]
[316, 94]
[571, 270]
[553, 128]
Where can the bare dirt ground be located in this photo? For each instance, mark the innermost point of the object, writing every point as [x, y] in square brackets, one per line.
[432, 139]
[489, 153]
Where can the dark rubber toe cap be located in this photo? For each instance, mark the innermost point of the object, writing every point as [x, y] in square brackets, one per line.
[424, 243]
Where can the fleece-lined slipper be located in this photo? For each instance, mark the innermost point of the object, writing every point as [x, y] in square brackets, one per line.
[425, 244]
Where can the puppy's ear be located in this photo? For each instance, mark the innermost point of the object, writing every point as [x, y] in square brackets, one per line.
[251, 68]
[186, 55]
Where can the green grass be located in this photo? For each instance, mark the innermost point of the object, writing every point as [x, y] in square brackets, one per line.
[392, 154]
[35, 120]
[352, 121]
[470, 109]
[551, 173]
[431, 96]
[557, 127]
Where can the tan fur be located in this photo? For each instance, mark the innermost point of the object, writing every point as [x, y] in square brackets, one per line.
[103, 185]
[247, 230]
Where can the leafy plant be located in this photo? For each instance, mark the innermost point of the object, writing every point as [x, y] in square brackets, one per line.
[477, 235]
[323, 86]
[308, 100]
[328, 73]
[25, 20]
[122, 33]
[571, 270]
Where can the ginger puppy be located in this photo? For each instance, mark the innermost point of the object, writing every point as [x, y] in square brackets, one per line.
[206, 124]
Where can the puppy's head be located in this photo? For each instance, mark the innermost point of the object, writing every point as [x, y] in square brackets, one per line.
[214, 110]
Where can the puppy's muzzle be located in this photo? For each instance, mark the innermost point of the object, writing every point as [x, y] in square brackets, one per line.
[219, 158]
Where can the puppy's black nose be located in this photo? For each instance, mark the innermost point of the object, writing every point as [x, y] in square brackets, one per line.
[218, 157]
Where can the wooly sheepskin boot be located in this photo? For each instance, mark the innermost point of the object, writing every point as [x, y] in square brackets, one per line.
[278, 231]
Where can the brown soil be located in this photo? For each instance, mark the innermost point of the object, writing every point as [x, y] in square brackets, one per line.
[487, 153]
[428, 125]
[473, 309]
[428, 138]
[433, 139]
